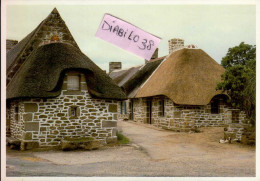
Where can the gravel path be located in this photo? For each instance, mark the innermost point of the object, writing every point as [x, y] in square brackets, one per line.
[153, 152]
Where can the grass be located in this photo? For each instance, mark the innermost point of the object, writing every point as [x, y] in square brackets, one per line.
[121, 139]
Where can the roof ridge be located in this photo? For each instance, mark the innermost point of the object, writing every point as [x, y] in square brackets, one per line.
[165, 57]
[118, 70]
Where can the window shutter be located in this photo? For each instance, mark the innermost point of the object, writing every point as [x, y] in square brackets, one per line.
[125, 106]
[73, 82]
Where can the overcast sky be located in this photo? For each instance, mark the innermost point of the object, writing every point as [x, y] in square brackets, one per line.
[213, 28]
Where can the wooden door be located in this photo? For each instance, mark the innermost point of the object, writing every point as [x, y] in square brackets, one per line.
[149, 111]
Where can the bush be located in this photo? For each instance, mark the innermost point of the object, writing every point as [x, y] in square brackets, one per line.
[121, 139]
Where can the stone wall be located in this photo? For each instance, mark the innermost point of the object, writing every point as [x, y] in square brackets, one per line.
[235, 129]
[140, 110]
[182, 118]
[47, 121]
[16, 123]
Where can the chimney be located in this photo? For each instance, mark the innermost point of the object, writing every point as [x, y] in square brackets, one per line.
[175, 44]
[154, 56]
[114, 66]
[10, 44]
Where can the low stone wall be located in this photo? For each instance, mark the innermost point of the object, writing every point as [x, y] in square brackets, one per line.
[232, 130]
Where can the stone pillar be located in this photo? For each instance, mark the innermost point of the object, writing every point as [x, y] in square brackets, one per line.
[114, 66]
[175, 44]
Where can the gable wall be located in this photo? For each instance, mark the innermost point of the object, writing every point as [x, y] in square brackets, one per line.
[54, 25]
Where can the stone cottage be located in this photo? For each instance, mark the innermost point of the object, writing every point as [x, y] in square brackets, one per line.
[54, 91]
[178, 92]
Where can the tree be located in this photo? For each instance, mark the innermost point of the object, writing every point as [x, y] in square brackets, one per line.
[239, 55]
[239, 79]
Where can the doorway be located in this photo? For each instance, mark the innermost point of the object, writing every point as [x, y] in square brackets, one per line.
[149, 111]
[131, 105]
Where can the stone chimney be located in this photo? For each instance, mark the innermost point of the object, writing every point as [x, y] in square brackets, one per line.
[175, 44]
[154, 56]
[10, 44]
[114, 66]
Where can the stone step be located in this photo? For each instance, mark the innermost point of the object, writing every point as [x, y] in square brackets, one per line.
[13, 142]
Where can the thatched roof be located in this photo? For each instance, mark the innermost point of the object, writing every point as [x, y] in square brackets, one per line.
[186, 76]
[18, 49]
[42, 74]
[13, 54]
[120, 77]
[133, 84]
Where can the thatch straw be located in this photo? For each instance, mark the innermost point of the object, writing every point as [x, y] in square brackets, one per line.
[134, 83]
[122, 76]
[187, 76]
[42, 74]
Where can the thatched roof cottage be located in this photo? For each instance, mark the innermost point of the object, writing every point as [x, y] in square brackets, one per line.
[179, 92]
[55, 92]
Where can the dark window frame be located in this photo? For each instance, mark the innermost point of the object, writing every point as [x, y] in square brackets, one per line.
[121, 107]
[125, 111]
[215, 106]
[75, 110]
[161, 112]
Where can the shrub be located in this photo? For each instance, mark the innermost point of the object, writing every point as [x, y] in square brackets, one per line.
[121, 139]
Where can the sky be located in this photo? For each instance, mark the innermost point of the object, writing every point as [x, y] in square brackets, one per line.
[213, 28]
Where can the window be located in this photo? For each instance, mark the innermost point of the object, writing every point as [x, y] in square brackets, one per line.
[235, 116]
[73, 82]
[215, 106]
[125, 107]
[161, 108]
[74, 111]
[121, 107]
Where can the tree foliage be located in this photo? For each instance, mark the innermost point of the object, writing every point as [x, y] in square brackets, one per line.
[239, 79]
[239, 55]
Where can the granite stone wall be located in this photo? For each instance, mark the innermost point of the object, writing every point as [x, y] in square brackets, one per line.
[185, 118]
[233, 129]
[72, 114]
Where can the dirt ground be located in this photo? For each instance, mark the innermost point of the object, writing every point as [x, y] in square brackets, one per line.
[152, 152]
